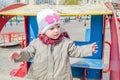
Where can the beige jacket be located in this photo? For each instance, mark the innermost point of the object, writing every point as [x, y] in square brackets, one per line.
[52, 62]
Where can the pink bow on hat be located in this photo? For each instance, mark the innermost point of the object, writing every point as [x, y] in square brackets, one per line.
[52, 18]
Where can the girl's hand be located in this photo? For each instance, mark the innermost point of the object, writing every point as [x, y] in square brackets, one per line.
[94, 47]
[15, 55]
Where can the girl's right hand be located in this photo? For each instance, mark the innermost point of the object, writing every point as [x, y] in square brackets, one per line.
[15, 55]
[94, 47]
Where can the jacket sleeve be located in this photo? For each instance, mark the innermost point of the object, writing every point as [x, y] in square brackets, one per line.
[27, 53]
[79, 51]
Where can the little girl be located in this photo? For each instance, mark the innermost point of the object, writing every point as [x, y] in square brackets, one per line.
[51, 50]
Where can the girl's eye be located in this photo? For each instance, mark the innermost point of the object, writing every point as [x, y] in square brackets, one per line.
[54, 28]
[51, 28]
[58, 27]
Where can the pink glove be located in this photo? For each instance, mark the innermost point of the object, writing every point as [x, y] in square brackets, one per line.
[15, 55]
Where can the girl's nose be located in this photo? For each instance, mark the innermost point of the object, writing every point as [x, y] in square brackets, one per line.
[56, 29]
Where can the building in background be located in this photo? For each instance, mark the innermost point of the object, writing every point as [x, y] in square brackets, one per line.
[44, 1]
[4, 3]
[97, 1]
[37, 2]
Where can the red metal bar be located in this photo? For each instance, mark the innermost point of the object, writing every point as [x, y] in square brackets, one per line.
[4, 20]
[26, 28]
[115, 53]
[108, 69]
[84, 73]
[13, 6]
[9, 37]
[106, 21]
[23, 43]
[114, 56]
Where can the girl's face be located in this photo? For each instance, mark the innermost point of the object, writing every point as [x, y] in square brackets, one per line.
[53, 32]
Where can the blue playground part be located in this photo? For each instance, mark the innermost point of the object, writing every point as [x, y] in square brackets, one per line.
[87, 34]
[93, 64]
[32, 28]
[95, 36]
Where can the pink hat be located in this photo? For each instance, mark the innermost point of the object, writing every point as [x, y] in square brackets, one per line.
[46, 19]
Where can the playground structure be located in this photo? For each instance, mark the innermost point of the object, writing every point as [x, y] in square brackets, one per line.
[88, 67]
[12, 39]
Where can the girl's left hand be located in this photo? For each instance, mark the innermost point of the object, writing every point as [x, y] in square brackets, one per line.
[94, 47]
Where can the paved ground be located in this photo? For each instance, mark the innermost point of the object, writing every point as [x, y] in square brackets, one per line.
[6, 65]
